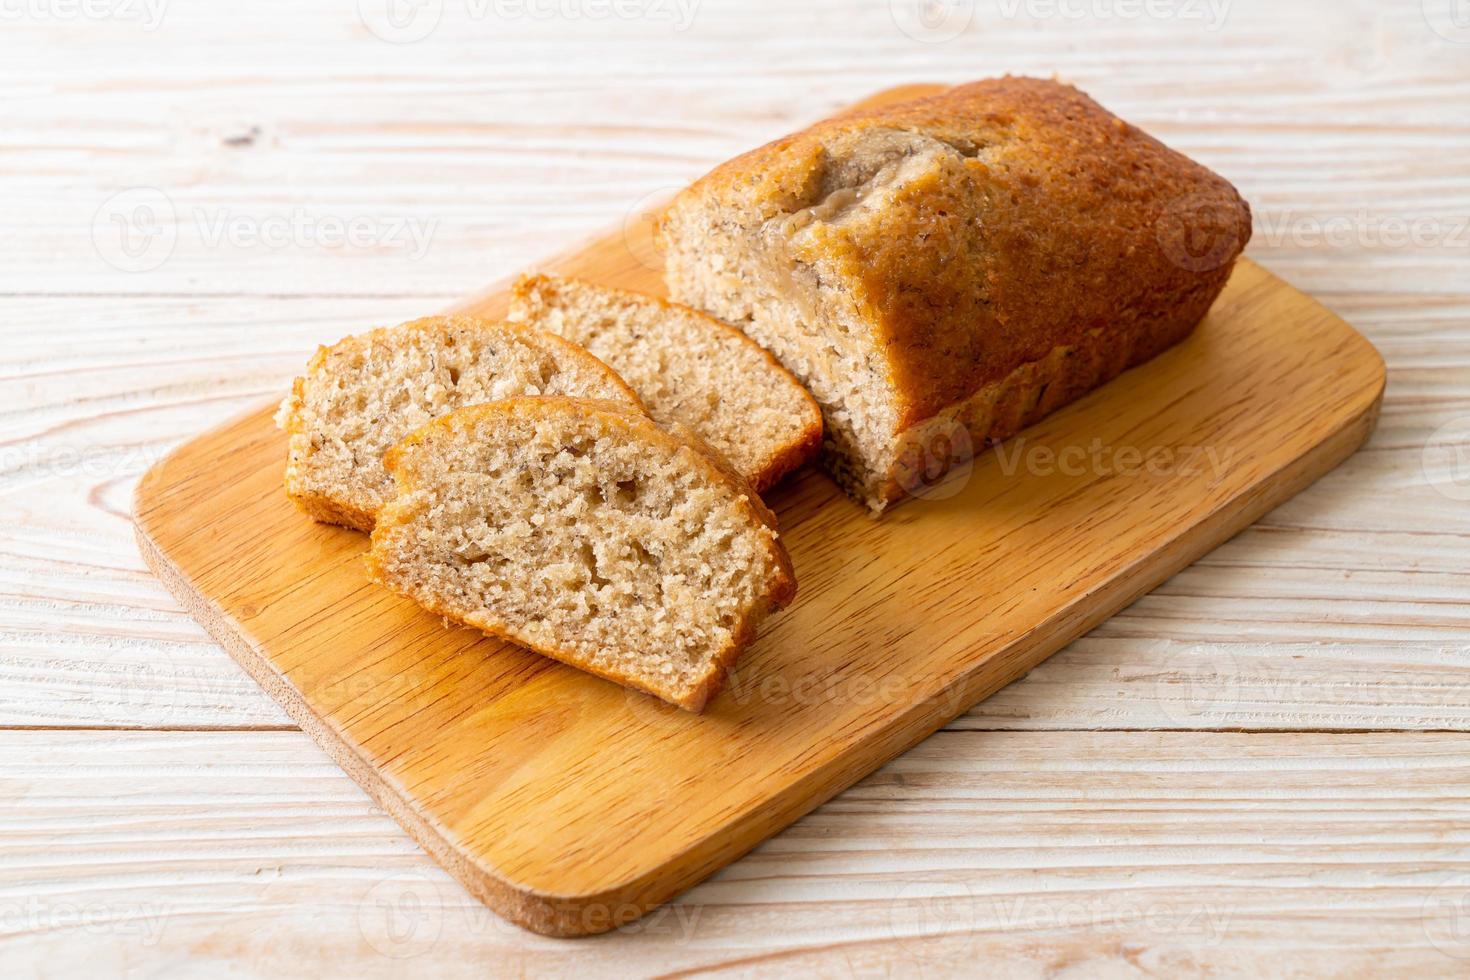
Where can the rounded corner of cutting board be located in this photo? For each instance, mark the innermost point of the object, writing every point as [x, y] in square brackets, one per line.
[160, 494]
[1369, 369]
[547, 912]
[153, 486]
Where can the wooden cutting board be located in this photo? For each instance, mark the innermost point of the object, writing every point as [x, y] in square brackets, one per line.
[570, 805]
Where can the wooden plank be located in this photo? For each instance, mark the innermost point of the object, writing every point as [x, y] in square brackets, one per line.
[974, 590]
[91, 639]
[1367, 600]
[985, 854]
[469, 128]
[507, 161]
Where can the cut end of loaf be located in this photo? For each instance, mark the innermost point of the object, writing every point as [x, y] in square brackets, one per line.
[587, 533]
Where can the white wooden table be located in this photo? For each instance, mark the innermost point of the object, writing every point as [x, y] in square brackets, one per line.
[1261, 768]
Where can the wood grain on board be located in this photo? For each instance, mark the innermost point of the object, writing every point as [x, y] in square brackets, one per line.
[572, 806]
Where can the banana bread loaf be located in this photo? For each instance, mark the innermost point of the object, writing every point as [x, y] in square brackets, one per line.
[944, 272]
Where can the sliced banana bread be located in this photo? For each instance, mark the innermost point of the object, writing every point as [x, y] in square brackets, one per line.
[687, 367]
[363, 395]
[586, 532]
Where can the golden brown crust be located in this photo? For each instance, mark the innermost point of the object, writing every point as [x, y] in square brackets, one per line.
[330, 511]
[782, 587]
[1027, 218]
[782, 460]
[1059, 206]
[1033, 390]
[791, 457]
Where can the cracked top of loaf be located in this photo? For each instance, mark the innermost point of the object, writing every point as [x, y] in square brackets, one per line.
[974, 230]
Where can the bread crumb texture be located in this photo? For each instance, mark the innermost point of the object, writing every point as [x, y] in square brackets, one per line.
[586, 532]
[363, 395]
[973, 259]
[687, 367]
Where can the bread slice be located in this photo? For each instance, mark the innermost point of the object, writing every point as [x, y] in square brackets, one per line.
[584, 531]
[363, 395]
[688, 367]
[943, 272]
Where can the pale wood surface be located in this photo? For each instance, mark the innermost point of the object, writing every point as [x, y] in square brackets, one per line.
[1076, 853]
[1343, 611]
